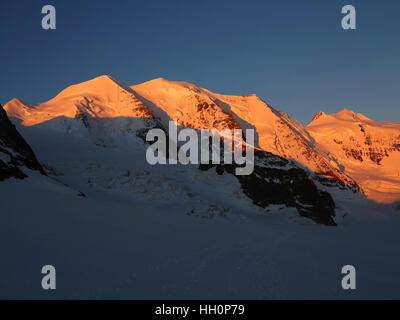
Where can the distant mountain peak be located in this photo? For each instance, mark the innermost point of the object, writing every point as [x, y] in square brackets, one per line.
[346, 111]
[318, 115]
[104, 76]
[367, 150]
[348, 114]
[345, 114]
[160, 79]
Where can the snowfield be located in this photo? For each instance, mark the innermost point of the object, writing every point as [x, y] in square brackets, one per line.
[114, 245]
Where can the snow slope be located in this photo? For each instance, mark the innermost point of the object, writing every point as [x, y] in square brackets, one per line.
[110, 245]
[366, 150]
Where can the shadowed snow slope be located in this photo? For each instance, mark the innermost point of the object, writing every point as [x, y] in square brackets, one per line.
[109, 246]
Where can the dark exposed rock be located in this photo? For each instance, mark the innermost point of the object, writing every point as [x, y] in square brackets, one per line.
[338, 141]
[368, 141]
[274, 182]
[15, 152]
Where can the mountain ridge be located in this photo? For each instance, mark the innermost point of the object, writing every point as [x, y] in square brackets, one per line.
[188, 105]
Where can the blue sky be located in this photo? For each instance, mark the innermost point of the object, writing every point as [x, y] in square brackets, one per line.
[293, 54]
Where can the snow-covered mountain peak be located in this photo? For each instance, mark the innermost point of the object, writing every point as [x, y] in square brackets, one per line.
[346, 112]
[103, 85]
[318, 116]
[101, 97]
[172, 88]
[349, 115]
[343, 115]
[367, 150]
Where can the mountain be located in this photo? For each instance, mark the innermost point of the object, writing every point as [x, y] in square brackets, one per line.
[15, 154]
[101, 98]
[344, 150]
[366, 150]
[183, 231]
[194, 107]
[99, 127]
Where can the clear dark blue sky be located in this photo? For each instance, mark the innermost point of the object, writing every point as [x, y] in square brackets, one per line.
[292, 53]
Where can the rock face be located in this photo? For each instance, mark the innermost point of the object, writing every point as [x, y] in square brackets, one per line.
[14, 151]
[276, 180]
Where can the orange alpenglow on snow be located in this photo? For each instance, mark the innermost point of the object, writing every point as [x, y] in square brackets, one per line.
[101, 97]
[367, 150]
[345, 146]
